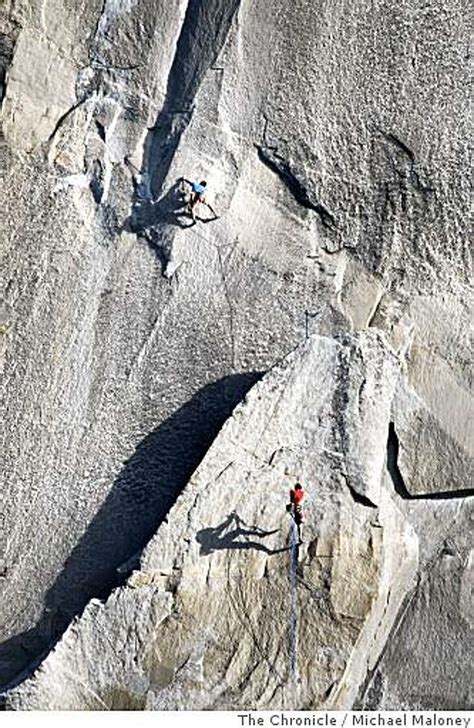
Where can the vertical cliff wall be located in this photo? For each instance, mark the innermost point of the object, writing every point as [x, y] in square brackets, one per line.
[333, 139]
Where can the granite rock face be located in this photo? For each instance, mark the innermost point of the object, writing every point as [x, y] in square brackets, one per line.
[427, 659]
[333, 136]
[234, 612]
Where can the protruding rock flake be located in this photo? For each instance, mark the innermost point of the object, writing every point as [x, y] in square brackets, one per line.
[175, 357]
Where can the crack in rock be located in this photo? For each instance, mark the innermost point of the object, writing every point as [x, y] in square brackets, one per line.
[7, 47]
[413, 174]
[280, 166]
[64, 117]
[359, 498]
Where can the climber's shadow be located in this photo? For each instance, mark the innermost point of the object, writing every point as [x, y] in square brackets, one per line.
[226, 534]
[171, 209]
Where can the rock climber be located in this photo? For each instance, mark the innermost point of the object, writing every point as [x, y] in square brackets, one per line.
[295, 508]
[197, 196]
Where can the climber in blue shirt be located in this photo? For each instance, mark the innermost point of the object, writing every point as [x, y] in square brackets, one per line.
[197, 196]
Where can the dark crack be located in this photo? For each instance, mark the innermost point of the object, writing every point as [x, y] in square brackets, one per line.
[340, 401]
[96, 183]
[401, 145]
[100, 130]
[62, 119]
[7, 47]
[280, 166]
[97, 34]
[412, 171]
[203, 33]
[101, 66]
[376, 309]
[362, 500]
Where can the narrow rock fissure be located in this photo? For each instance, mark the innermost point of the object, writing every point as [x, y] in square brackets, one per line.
[401, 145]
[96, 183]
[66, 116]
[359, 498]
[280, 166]
[414, 176]
[7, 46]
[393, 447]
[100, 130]
[375, 309]
[99, 32]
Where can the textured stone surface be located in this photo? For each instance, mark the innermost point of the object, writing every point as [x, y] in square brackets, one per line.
[428, 657]
[333, 136]
[225, 572]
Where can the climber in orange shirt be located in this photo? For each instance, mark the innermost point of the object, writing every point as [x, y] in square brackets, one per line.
[295, 508]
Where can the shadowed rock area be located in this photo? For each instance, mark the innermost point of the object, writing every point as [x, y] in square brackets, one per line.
[151, 480]
[333, 137]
